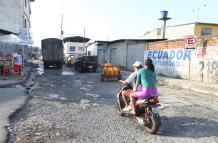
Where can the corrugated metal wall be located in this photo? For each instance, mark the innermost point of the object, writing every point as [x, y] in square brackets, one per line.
[135, 52]
[100, 56]
[125, 53]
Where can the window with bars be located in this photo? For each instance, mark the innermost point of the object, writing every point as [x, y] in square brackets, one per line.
[72, 49]
[206, 31]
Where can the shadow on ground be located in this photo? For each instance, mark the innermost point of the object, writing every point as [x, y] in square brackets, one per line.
[189, 127]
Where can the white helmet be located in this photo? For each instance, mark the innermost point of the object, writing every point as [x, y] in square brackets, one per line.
[137, 64]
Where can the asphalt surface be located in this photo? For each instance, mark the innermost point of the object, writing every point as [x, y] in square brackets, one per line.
[68, 106]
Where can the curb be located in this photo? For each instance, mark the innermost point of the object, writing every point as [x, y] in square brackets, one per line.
[187, 86]
[27, 75]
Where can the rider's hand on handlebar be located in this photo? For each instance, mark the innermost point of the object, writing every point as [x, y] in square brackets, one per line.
[122, 81]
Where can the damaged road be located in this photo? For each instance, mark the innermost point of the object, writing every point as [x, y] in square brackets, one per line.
[74, 107]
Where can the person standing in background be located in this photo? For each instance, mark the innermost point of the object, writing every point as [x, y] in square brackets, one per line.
[17, 64]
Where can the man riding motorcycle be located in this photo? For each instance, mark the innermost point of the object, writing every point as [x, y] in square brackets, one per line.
[130, 79]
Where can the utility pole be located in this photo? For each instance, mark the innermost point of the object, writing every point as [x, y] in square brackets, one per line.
[84, 48]
[198, 11]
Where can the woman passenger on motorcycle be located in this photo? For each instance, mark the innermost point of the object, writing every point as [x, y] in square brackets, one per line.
[147, 79]
[130, 79]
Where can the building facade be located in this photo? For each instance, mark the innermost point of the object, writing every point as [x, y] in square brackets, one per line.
[75, 46]
[15, 17]
[171, 59]
[180, 31]
[123, 52]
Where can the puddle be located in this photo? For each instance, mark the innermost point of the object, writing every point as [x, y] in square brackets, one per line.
[47, 84]
[95, 104]
[84, 101]
[40, 69]
[86, 89]
[63, 98]
[67, 73]
[53, 96]
[92, 95]
[77, 81]
[89, 86]
[90, 82]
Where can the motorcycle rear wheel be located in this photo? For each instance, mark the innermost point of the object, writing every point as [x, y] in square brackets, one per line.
[151, 123]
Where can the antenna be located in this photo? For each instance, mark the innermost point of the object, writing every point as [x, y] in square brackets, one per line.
[62, 17]
[62, 32]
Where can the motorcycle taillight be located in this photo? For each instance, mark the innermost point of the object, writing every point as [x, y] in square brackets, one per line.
[155, 100]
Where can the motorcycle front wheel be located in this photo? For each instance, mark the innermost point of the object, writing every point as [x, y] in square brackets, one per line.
[119, 105]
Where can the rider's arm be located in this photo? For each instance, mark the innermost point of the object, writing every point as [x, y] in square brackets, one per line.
[122, 81]
[138, 82]
[131, 77]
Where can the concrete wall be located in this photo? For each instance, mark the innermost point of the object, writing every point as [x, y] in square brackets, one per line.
[13, 13]
[171, 59]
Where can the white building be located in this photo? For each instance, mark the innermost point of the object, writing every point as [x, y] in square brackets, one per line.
[75, 46]
[92, 49]
[15, 17]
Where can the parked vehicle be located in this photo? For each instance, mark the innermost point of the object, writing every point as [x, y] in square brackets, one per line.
[86, 63]
[52, 52]
[147, 111]
[70, 61]
[110, 71]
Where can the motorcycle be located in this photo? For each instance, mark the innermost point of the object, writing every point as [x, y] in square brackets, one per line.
[146, 109]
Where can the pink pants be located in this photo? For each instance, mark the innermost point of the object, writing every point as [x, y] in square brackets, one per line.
[145, 92]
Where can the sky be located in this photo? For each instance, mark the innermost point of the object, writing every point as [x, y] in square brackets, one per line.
[114, 19]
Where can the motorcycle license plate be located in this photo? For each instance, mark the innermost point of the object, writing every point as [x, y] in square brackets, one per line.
[155, 110]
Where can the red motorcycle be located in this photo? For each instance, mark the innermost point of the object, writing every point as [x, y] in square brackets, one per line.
[146, 109]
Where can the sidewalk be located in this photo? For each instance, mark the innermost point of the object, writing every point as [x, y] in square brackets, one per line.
[4, 82]
[13, 98]
[201, 87]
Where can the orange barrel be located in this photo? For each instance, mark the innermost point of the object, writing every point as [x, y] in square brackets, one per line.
[106, 71]
[111, 70]
[107, 65]
[116, 71]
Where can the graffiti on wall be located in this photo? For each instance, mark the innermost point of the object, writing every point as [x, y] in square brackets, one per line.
[171, 62]
[211, 66]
